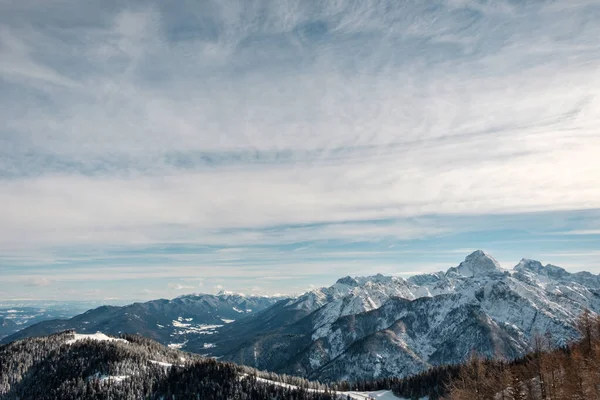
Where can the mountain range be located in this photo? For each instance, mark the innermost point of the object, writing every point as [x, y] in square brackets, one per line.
[380, 326]
[170, 322]
[368, 327]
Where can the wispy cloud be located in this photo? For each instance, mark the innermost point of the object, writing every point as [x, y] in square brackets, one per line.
[38, 282]
[582, 232]
[246, 123]
[178, 286]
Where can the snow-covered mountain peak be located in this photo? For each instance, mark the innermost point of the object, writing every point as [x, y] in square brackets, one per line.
[226, 293]
[426, 279]
[477, 263]
[558, 272]
[529, 265]
[348, 281]
[535, 268]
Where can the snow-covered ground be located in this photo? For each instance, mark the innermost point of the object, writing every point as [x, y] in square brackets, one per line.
[187, 327]
[161, 363]
[377, 395]
[99, 336]
[112, 378]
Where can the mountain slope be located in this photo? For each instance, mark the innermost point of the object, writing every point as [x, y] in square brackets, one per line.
[374, 327]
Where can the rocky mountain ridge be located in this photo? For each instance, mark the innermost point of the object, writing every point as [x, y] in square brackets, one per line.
[378, 326]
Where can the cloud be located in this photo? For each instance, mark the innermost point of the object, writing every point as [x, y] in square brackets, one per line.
[219, 288]
[38, 282]
[178, 286]
[243, 124]
[582, 232]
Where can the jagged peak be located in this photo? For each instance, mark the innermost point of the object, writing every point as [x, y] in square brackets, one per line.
[426, 278]
[529, 265]
[348, 280]
[536, 267]
[477, 263]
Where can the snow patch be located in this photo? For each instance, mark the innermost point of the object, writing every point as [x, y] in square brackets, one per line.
[202, 329]
[109, 378]
[98, 336]
[377, 395]
[161, 363]
[176, 345]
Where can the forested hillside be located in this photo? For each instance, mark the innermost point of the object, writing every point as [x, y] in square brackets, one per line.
[71, 366]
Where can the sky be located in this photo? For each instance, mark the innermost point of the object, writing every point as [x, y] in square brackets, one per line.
[151, 149]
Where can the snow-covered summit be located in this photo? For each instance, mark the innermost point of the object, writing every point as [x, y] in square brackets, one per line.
[348, 281]
[529, 265]
[229, 293]
[477, 263]
[536, 267]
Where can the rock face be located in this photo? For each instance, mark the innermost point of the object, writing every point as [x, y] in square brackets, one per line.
[378, 326]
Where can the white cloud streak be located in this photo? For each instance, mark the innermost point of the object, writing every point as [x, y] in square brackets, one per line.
[154, 125]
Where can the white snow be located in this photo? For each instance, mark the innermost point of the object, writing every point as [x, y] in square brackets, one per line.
[377, 395]
[227, 321]
[161, 363]
[202, 329]
[111, 378]
[99, 336]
